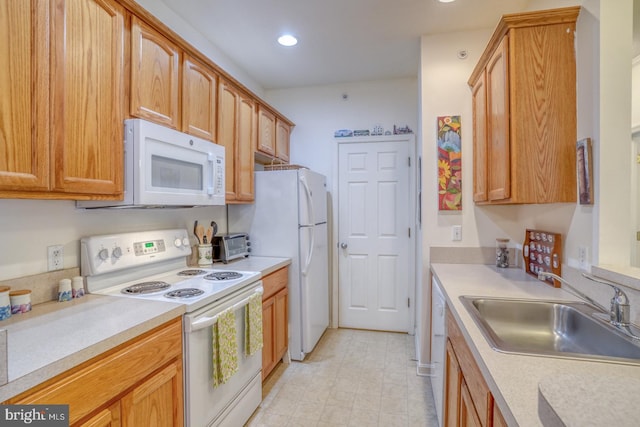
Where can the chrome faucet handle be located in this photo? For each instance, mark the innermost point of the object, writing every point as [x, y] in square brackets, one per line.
[620, 311]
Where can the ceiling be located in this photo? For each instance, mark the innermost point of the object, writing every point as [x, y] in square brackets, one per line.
[340, 41]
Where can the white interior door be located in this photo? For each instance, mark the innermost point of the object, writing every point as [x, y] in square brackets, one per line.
[374, 237]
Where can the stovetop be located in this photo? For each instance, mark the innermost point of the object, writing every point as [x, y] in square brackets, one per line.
[122, 264]
[194, 291]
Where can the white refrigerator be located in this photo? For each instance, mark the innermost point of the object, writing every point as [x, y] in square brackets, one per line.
[290, 220]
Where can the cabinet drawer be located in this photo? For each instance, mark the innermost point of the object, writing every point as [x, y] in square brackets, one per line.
[96, 382]
[274, 282]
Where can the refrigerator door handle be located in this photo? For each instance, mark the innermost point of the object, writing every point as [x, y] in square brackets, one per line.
[307, 191]
[307, 262]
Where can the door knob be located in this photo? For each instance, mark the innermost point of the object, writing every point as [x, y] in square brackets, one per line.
[343, 245]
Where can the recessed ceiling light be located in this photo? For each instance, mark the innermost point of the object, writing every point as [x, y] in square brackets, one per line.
[287, 40]
[446, 1]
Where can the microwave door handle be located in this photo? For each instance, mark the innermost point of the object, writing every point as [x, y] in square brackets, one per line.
[212, 174]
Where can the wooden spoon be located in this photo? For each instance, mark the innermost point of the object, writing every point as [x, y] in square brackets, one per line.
[200, 233]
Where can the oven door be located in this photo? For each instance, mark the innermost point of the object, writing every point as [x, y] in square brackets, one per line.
[231, 403]
[174, 168]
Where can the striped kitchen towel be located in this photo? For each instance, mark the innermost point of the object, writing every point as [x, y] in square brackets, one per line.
[225, 347]
[253, 325]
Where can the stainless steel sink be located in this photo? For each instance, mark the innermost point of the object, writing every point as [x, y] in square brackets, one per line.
[551, 328]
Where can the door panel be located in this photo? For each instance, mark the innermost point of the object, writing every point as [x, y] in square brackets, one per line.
[374, 217]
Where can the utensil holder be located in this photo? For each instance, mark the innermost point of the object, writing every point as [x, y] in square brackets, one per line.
[64, 290]
[205, 254]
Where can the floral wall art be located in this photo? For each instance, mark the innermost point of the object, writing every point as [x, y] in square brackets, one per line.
[449, 164]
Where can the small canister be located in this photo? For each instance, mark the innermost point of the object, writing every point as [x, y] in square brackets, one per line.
[5, 303]
[20, 301]
[502, 253]
[205, 254]
[77, 287]
[64, 290]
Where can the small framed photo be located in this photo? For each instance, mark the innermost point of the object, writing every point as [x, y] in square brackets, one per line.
[584, 165]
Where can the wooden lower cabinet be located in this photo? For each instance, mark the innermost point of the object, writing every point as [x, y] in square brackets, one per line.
[137, 384]
[468, 400]
[108, 417]
[275, 319]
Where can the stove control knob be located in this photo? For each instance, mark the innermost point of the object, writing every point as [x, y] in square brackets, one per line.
[117, 252]
[185, 242]
[103, 254]
[177, 242]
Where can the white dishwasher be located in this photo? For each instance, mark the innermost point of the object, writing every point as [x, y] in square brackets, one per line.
[438, 338]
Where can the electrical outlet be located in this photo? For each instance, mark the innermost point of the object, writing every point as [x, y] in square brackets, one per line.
[583, 253]
[456, 233]
[55, 257]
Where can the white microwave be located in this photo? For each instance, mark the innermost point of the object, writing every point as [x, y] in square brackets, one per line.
[167, 168]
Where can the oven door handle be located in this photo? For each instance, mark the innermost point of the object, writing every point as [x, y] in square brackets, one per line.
[206, 321]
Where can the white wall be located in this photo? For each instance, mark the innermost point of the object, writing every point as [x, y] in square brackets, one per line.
[318, 111]
[27, 227]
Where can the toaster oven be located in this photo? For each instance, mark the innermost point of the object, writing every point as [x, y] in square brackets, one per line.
[227, 247]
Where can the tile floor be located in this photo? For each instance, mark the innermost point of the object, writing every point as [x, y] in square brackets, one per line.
[352, 378]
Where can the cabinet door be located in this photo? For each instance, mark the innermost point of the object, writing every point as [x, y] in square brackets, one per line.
[468, 416]
[479, 95]
[498, 418]
[157, 401]
[247, 134]
[155, 63]
[227, 133]
[24, 95]
[108, 417]
[268, 327]
[283, 133]
[452, 385]
[281, 332]
[199, 87]
[266, 132]
[499, 174]
[87, 96]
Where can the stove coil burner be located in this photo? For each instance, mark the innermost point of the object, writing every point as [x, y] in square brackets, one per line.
[223, 275]
[184, 293]
[194, 272]
[145, 288]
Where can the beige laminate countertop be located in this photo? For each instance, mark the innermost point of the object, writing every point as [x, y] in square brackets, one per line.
[264, 265]
[55, 337]
[530, 390]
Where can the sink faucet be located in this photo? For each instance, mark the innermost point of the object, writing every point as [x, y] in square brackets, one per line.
[619, 311]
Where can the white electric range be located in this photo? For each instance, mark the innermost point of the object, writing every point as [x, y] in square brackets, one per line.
[152, 265]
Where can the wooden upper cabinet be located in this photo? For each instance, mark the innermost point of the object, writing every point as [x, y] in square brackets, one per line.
[529, 70]
[227, 133]
[283, 133]
[237, 132]
[266, 131]
[24, 95]
[247, 134]
[499, 173]
[87, 96]
[479, 96]
[199, 108]
[155, 71]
